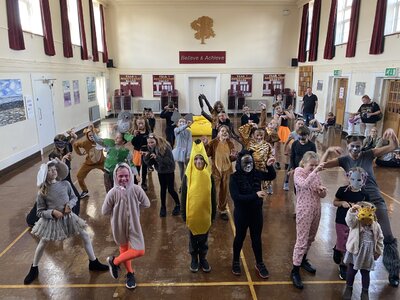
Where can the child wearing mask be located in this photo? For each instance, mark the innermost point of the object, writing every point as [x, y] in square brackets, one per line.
[247, 195]
[346, 196]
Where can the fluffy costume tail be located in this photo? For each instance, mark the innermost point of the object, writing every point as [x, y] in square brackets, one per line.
[391, 259]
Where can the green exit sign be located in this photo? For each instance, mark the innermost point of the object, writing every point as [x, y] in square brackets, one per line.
[337, 72]
[391, 72]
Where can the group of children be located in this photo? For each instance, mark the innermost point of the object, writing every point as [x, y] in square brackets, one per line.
[204, 191]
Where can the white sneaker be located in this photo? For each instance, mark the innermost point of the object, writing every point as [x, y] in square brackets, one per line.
[269, 190]
[286, 186]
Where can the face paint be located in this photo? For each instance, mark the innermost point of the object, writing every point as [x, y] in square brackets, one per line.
[354, 148]
[303, 138]
[246, 163]
[356, 180]
[181, 123]
[60, 144]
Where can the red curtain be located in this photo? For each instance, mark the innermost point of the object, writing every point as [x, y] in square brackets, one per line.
[103, 33]
[355, 16]
[15, 35]
[329, 51]
[301, 56]
[95, 52]
[66, 33]
[313, 54]
[84, 51]
[47, 28]
[378, 32]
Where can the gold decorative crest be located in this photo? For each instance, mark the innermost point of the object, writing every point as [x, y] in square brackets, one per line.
[203, 26]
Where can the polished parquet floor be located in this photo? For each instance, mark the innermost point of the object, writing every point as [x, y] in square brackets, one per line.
[163, 273]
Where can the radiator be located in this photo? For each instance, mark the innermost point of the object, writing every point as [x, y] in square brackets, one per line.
[94, 113]
[254, 104]
[155, 105]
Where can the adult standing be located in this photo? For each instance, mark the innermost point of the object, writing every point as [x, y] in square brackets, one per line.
[364, 159]
[310, 106]
[369, 112]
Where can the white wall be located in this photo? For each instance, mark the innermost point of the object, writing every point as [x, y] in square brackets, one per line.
[361, 68]
[21, 139]
[146, 39]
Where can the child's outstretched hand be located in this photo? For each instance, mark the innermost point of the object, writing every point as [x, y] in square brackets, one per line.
[138, 178]
[355, 208]
[67, 209]
[321, 190]
[57, 214]
[261, 194]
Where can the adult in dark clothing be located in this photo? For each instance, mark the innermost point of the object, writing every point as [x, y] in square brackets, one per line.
[170, 125]
[364, 159]
[309, 106]
[248, 116]
[246, 193]
[369, 112]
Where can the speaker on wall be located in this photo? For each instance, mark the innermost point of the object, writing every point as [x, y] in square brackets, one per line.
[110, 63]
[295, 63]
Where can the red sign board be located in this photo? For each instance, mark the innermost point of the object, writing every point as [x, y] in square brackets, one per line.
[242, 83]
[273, 83]
[131, 85]
[163, 82]
[202, 57]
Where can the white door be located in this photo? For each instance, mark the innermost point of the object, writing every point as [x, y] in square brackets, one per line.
[201, 85]
[42, 93]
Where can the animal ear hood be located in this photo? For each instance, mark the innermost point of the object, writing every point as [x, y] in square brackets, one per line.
[62, 171]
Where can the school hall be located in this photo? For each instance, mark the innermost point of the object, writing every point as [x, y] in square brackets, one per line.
[69, 63]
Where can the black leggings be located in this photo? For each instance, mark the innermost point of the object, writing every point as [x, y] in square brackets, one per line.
[252, 219]
[167, 181]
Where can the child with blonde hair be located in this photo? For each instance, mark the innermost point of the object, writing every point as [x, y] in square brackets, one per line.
[364, 246]
[308, 212]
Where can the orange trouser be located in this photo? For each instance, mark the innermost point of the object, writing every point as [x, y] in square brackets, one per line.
[126, 255]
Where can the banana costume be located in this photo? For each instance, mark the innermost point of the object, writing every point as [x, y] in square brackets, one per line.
[198, 193]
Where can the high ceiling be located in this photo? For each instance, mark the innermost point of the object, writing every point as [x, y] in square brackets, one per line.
[202, 2]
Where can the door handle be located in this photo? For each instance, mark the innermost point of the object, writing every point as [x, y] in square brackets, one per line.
[40, 113]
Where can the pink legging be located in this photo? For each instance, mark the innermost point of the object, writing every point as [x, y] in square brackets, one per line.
[126, 255]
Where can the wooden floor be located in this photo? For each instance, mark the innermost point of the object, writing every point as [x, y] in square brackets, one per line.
[163, 273]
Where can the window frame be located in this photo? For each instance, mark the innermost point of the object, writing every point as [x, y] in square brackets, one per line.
[393, 8]
[33, 17]
[73, 19]
[340, 27]
[309, 24]
[97, 22]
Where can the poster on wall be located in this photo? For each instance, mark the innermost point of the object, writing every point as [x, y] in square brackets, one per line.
[77, 96]
[67, 92]
[320, 85]
[360, 88]
[163, 82]
[131, 85]
[242, 83]
[273, 83]
[12, 106]
[91, 88]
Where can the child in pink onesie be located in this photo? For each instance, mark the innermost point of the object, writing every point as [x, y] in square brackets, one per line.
[308, 212]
